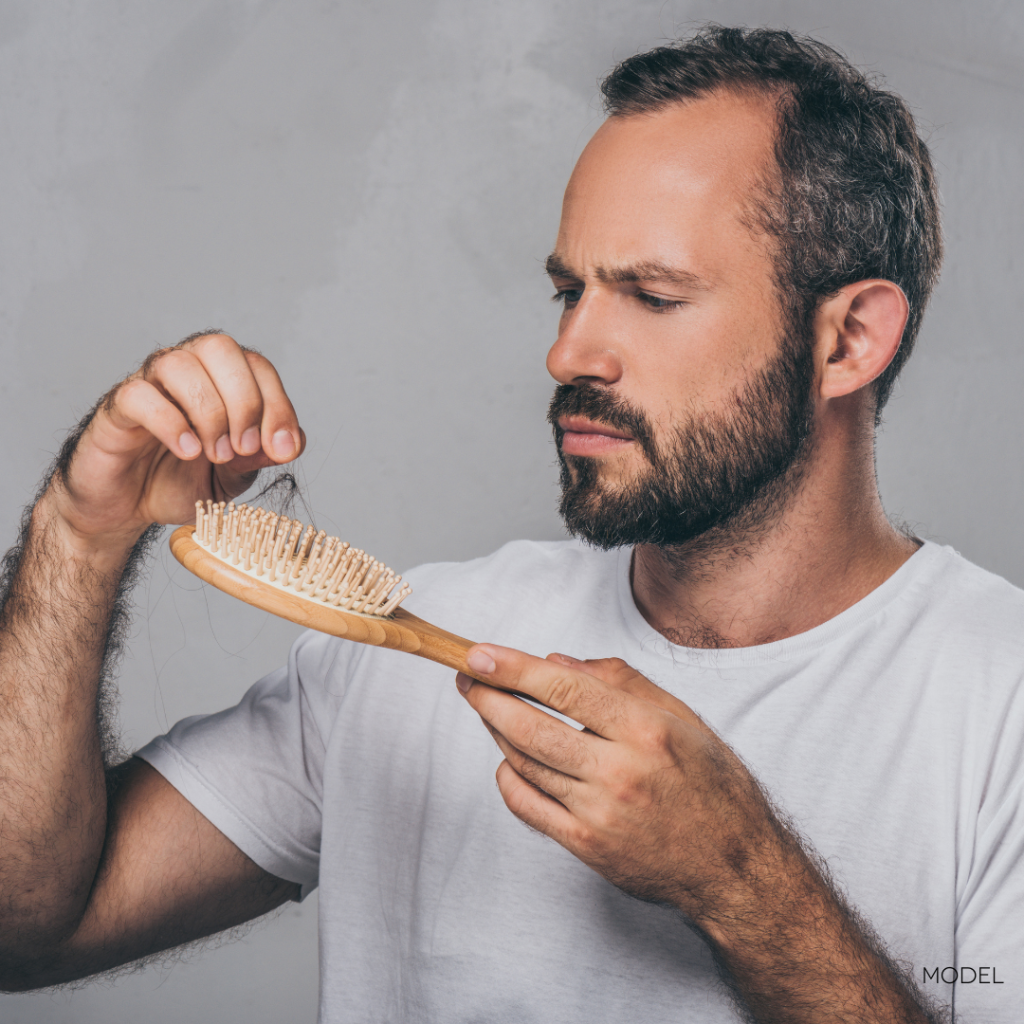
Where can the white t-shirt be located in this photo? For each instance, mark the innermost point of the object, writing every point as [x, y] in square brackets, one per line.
[892, 735]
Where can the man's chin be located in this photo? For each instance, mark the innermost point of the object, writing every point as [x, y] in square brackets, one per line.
[607, 476]
[598, 513]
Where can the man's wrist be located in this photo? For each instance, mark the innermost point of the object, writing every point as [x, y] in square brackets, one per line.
[68, 542]
[778, 890]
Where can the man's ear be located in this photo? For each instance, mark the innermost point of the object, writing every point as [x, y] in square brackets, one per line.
[858, 331]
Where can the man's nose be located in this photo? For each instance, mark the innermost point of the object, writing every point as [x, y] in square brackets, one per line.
[586, 350]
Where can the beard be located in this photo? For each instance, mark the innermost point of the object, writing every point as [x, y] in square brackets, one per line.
[716, 474]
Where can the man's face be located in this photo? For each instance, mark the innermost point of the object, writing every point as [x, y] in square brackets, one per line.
[683, 401]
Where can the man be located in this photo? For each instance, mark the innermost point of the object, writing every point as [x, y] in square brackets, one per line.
[746, 249]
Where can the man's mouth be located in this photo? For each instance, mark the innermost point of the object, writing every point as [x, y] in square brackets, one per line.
[587, 437]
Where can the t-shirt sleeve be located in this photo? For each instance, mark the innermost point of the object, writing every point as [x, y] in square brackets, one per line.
[990, 922]
[990, 888]
[256, 770]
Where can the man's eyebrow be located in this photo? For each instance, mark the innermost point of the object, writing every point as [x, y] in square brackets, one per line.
[626, 273]
[650, 270]
[555, 266]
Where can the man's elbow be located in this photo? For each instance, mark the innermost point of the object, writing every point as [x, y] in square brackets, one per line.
[21, 973]
[37, 954]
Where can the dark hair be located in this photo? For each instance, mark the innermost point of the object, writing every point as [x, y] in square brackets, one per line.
[856, 196]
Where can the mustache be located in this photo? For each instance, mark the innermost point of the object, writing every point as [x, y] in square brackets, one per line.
[599, 403]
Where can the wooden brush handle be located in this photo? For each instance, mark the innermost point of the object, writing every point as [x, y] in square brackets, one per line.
[403, 631]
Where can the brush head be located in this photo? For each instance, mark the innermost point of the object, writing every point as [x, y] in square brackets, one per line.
[298, 560]
[276, 564]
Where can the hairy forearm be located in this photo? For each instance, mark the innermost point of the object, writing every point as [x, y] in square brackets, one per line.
[794, 952]
[59, 606]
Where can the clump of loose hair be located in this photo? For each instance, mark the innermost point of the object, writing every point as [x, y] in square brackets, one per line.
[855, 195]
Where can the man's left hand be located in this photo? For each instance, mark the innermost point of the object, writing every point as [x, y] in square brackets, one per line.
[646, 794]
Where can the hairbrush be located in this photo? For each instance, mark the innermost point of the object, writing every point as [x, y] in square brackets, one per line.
[317, 581]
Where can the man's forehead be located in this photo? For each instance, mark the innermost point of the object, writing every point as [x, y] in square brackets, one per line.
[668, 196]
[724, 140]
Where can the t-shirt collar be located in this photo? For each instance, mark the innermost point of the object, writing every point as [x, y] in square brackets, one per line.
[917, 572]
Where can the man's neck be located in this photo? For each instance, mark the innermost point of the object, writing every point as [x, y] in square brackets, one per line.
[828, 548]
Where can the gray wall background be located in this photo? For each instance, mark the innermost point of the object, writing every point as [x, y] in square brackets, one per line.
[366, 191]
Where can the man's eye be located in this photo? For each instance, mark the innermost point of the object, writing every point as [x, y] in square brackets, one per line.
[657, 302]
[568, 296]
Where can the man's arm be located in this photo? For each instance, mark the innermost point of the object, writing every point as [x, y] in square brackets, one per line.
[650, 798]
[165, 877]
[86, 881]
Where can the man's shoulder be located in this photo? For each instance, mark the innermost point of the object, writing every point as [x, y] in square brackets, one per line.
[979, 598]
[969, 622]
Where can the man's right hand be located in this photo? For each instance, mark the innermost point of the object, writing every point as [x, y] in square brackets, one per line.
[90, 880]
[195, 422]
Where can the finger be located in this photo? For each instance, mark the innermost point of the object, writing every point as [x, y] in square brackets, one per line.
[556, 784]
[623, 677]
[533, 807]
[229, 481]
[139, 404]
[568, 689]
[184, 380]
[228, 368]
[240, 473]
[534, 733]
[281, 436]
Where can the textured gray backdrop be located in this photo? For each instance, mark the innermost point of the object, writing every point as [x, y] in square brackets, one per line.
[366, 191]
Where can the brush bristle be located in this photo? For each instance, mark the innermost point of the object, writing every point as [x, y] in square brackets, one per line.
[276, 550]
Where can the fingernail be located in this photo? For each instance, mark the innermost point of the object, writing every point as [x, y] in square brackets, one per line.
[190, 444]
[564, 659]
[480, 662]
[250, 442]
[284, 445]
[463, 682]
[223, 450]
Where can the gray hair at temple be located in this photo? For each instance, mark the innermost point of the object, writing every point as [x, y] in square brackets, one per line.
[855, 197]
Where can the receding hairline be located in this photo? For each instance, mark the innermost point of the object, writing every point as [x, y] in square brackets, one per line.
[775, 94]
